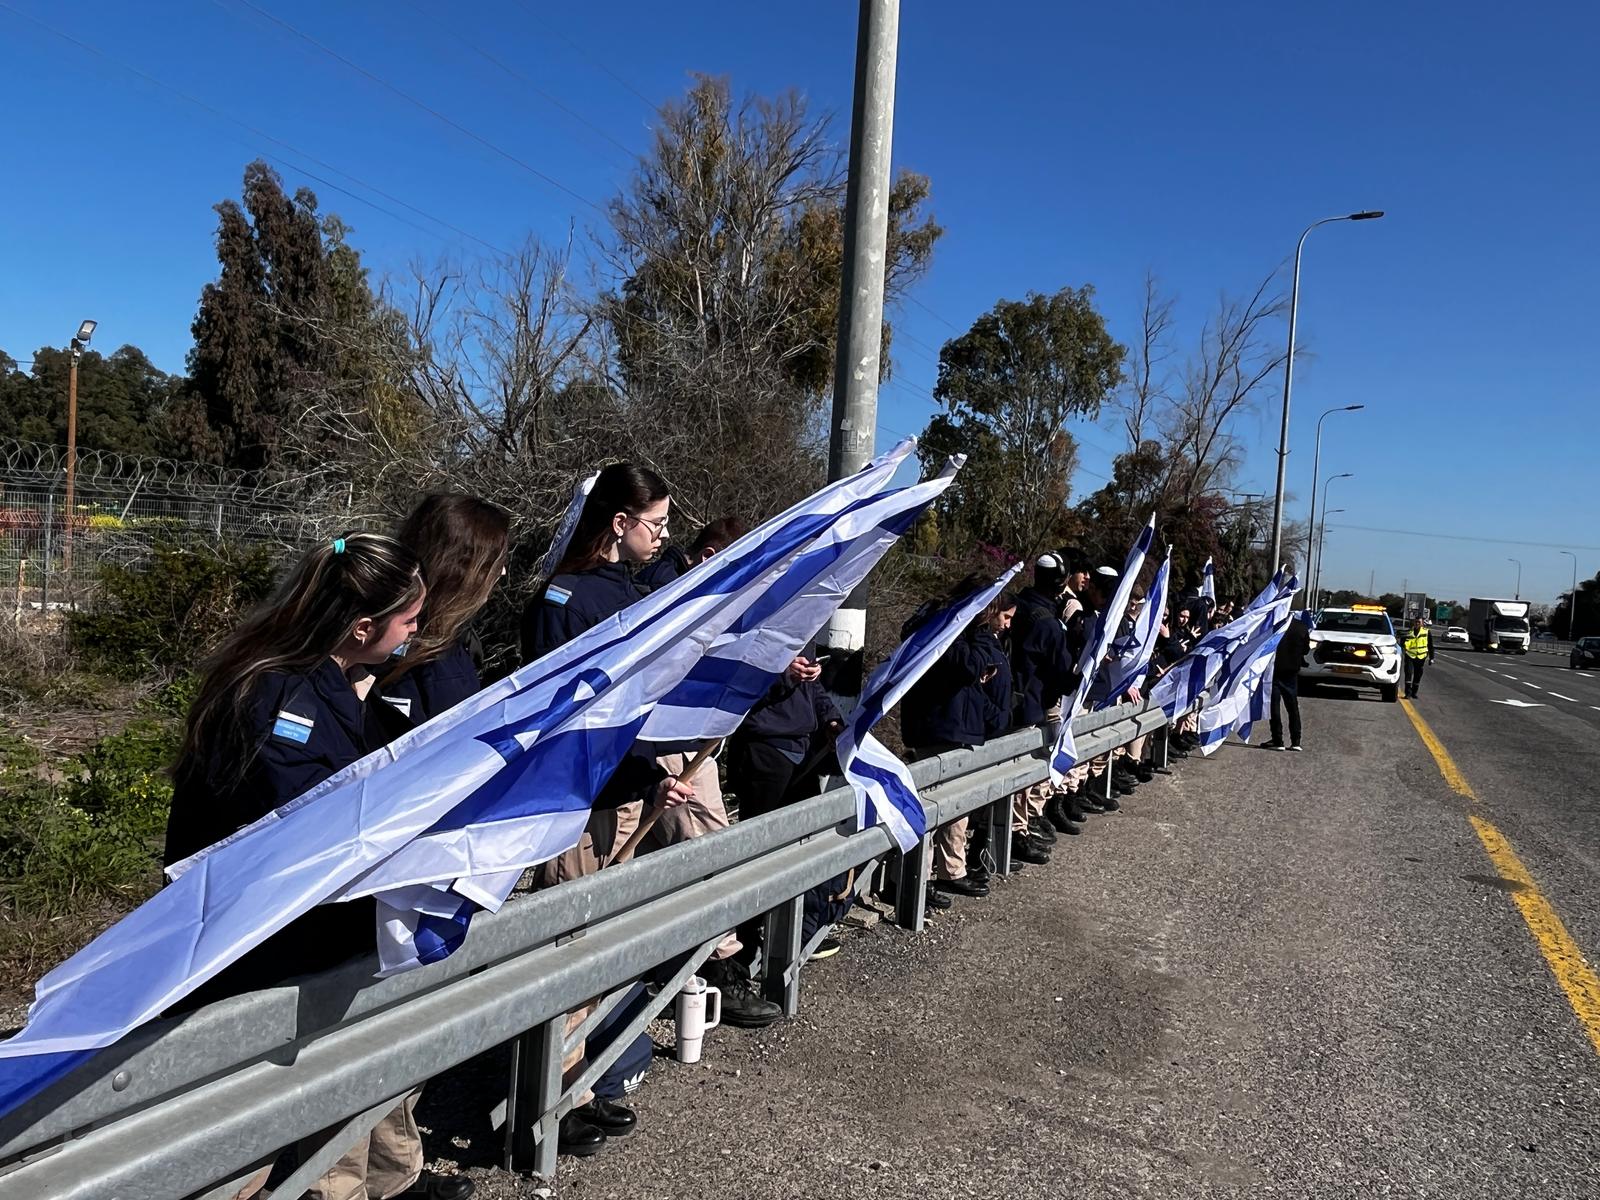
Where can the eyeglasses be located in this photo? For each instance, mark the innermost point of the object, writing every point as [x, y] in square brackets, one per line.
[658, 528]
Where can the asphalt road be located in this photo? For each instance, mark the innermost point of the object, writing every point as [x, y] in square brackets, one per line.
[1270, 975]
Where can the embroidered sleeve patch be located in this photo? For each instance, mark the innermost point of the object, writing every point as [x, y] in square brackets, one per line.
[293, 727]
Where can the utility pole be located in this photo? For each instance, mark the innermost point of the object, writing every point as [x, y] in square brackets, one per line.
[860, 337]
[79, 344]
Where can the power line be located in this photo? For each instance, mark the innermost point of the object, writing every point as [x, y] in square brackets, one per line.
[652, 105]
[942, 320]
[1462, 537]
[532, 86]
[265, 136]
[416, 103]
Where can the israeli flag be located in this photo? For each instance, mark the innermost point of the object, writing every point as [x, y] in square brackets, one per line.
[1064, 756]
[539, 743]
[1208, 583]
[884, 791]
[1268, 594]
[423, 923]
[745, 662]
[1239, 681]
[1128, 661]
[1181, 688]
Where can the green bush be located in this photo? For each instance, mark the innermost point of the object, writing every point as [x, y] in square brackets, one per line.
[166, 613]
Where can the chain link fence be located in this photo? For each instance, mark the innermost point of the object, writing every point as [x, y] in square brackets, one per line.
[123, 507]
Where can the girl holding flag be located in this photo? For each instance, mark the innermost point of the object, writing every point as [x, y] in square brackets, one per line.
[287, 700]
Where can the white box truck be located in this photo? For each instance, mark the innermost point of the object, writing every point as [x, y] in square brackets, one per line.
[1499, 625]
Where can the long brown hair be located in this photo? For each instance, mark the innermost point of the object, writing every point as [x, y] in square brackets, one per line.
[622, 487]
[315, 608]
[460, 542]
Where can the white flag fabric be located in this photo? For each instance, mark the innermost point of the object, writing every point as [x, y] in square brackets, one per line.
[1243, 670]
[564, 531]
[1208, 583]
[1065, 754]
[1128, 661]
[885, 793]
[1181, 688]
[542, 741]
[746, 661]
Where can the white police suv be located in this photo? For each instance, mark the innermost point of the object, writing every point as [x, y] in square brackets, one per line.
[1355, 647]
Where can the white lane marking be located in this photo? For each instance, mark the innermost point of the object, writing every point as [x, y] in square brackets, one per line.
[1513, 678]
[1515, 703]
[1581, 675]
[1534, 686]
[1559, 696]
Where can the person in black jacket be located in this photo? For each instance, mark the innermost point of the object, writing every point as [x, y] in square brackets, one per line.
[718, 535]
[286, 701]
[963, 700]
[1293, 647]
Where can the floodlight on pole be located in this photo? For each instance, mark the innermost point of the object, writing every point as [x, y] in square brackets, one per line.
[80, 342]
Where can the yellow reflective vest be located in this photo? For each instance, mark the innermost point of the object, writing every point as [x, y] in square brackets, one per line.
[1416, 644]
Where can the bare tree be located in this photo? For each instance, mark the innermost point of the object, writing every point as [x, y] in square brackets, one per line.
[1236, 357]
[1146, 392]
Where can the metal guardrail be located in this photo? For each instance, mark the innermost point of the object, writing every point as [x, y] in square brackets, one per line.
[192, 1106]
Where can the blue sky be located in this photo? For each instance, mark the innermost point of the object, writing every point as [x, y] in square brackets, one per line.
[1066, 145]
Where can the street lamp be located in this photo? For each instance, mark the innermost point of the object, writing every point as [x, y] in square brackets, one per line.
[1321, 536]
[1572, 600]
[1518, 561]
[1316, 472]
[1317, 579]
[1288, 378]
[80, 343]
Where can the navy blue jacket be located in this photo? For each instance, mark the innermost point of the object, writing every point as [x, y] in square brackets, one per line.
[950, 704]
[437, 685]
[790, 713]
[573, 603]
[303, 727]
[1043, 667]
[672, 563]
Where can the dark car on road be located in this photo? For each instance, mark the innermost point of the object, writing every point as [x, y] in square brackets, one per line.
[1585, 653]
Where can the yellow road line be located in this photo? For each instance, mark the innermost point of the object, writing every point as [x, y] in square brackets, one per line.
[1576, 977]
[1447, 767]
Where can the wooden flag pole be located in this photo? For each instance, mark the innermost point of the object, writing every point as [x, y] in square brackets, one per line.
[653, 812]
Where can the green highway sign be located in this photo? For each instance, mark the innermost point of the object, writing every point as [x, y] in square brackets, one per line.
[1443, 613]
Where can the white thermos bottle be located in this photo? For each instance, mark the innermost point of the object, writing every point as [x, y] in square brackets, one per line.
[692, 1020]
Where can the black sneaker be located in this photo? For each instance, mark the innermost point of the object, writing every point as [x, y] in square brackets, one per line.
[1295, 747]
[1274, 744]
[1124, 782]
[1041, 831]
[827, 948]
[741, 1007]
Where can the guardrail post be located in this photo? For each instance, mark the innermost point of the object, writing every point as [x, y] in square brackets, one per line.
[998, 815]
[911, 888]
[534, 1086]
[780, 969]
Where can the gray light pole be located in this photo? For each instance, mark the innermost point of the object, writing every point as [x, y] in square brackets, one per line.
[1518, 561]
[1325, 485]
[866, 239]
[1288, 379]
[1572, 600]
[1316, 473]
[1321, 536]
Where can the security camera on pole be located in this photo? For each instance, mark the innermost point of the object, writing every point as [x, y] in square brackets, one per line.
[80, 343]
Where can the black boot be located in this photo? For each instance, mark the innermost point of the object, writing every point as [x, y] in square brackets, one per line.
[961, 887]
[575, 1136]
[741, 1006]
[937, 901]
[1055, 811]
[1023, 849]
[1144, 772]
[1041, 831]
[431, 1186]
[613, 1119]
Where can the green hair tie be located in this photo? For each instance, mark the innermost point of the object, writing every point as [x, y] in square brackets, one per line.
[338, 545]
